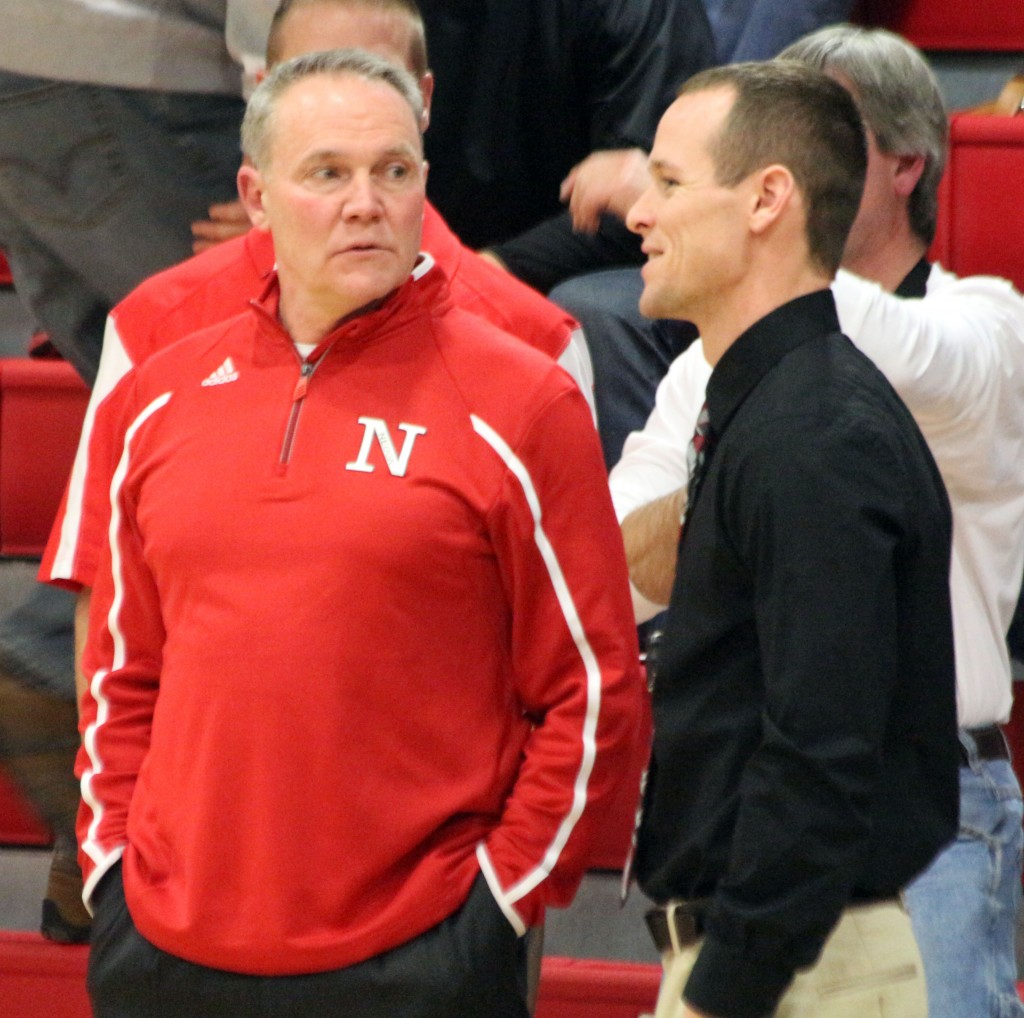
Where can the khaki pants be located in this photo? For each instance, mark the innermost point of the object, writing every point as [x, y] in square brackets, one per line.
[869, 968]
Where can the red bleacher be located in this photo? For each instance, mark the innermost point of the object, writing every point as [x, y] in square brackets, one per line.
[42, 404]
[19, 825]
[981, 216]
[39, 979]
[43, 980]
[950, 24]
[41, 408]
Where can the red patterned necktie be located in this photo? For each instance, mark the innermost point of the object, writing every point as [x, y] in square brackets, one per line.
[696, 455]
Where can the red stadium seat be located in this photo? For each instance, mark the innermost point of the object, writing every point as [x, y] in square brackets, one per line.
[981, 222]
[19, 825]
[39, 979]
[582, 988]
[949, 24]
[42, 404]
[43, 980]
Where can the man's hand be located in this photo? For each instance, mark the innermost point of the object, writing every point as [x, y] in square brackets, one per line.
[227, 221]
[607, 181]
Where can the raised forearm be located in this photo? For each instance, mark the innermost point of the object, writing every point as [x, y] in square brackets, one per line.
[651, 537]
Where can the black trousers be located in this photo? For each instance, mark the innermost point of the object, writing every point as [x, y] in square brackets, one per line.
[471, 965]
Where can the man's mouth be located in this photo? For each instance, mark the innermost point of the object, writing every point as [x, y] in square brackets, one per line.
[362, 247]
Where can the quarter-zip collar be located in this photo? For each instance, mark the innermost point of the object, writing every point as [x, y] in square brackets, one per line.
[425, 291]
[426, 287]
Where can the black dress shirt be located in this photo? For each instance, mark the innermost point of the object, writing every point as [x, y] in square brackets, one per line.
[805, 720]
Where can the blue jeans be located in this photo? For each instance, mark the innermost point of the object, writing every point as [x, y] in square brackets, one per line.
[98, 187]
[964, 906]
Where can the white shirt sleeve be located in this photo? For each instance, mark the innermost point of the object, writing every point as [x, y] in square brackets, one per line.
[943, 352]
[576, 360]
[653, 460]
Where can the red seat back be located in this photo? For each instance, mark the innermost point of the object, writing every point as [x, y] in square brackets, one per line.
[981, 217]
[949, 24]
[42, 404]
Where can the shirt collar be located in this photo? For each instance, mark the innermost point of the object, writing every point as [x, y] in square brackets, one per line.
[915, 282]
[761, 347]
[425, 288]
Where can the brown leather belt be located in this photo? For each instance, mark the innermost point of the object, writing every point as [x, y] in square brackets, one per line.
[687, 919]
[991, 744]
[684, 918]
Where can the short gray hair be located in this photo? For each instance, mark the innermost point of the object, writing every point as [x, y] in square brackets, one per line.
[259, 114]
[898, 97]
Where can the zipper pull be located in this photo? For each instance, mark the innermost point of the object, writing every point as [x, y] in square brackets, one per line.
[302, 385]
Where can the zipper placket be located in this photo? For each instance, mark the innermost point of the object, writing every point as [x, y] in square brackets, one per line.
[298, 398]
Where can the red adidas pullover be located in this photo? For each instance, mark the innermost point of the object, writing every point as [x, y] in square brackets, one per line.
[216, 285]
[362, 631]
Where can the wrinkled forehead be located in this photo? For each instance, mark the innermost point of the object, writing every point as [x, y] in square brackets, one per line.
[340, 103]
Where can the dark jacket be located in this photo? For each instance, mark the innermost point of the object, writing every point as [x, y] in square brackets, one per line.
[525, 90]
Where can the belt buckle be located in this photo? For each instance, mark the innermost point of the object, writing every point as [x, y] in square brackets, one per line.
[676, 925]
[989, 744]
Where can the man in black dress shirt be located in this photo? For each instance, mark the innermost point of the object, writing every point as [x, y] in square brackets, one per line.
[804, 764]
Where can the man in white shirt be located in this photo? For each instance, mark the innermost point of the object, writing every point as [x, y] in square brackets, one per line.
[954, 350]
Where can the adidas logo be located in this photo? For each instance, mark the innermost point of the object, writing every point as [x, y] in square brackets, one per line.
[225, 373]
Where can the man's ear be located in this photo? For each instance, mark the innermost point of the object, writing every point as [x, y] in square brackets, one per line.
[250, 191]
[906, 173]
[773, 189]
[427, 91]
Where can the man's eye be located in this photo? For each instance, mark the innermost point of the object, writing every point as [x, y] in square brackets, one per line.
[668, 183]
[396, 172]
[324, 173]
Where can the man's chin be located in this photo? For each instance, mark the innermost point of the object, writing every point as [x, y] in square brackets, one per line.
[652, 305]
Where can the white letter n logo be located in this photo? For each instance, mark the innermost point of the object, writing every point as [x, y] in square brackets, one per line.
[397, 463]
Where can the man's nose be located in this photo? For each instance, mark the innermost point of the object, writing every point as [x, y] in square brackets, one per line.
[638, 217]
[362, 199]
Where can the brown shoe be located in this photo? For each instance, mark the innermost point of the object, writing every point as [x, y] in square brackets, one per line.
[65, 919]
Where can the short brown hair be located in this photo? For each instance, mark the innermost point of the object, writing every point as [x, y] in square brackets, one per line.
[793, 115]
[417, 56]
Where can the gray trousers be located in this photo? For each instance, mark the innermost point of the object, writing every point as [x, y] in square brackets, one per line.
[98, 187]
